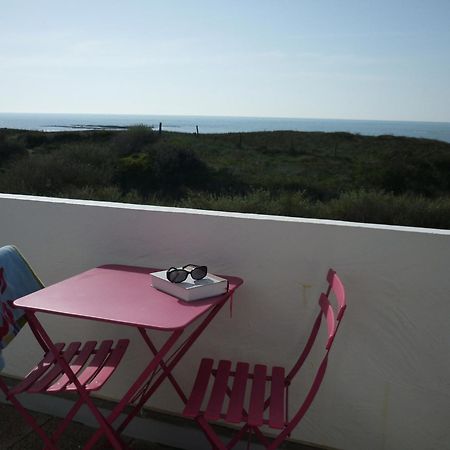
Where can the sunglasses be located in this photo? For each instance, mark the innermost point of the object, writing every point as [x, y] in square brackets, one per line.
[175, 275]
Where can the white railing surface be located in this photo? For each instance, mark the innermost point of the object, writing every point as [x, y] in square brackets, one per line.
[387, 384]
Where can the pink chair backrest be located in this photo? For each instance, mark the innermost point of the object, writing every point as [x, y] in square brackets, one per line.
[333, 318]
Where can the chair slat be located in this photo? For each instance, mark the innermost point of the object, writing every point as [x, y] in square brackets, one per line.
[256, 407]
[41, 384]
[35, 373]
[195, 400]
[108, 366]
[236, 405]
[76, 366]
[276, 404]
[218, 392]
[93, 366]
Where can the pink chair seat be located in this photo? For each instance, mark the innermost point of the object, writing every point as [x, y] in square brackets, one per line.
[246, 390]
[92, 365]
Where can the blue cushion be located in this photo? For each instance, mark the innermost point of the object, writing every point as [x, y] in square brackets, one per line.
[17, 279]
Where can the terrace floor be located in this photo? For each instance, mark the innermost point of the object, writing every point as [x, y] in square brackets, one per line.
[16, 435]
[153, 428]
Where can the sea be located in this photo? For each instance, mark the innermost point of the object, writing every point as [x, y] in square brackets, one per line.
[217, 124]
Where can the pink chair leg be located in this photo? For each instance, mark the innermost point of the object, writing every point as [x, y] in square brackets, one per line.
[27, 416]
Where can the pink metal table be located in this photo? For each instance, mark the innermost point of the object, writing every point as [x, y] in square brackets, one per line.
[124, 295]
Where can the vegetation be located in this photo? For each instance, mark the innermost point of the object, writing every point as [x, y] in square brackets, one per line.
[384, 179]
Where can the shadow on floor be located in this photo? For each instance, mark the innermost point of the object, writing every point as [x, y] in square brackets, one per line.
[15, 434]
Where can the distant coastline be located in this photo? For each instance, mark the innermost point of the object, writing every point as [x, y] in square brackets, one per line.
[215, 124]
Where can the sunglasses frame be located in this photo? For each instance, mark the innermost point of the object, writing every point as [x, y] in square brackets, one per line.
[184, 270]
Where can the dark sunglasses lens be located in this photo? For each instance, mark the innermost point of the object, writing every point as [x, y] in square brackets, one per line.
[199, 272]
[177, 276]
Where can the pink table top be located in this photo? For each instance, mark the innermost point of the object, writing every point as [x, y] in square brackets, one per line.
[120, 294]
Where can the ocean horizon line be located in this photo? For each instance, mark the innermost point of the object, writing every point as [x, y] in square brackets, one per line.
[54, 122]
[221, 116]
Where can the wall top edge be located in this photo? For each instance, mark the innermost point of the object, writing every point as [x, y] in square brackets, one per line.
[173, 210]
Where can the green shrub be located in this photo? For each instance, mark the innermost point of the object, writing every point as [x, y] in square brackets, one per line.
[175, 169]
[52, 173]
[65, 137]
[408, 170]
[260, 201]
[134, 139]
[358, 206]
[10, 149]
[35, 139]
[387, 208]
[104, 193]
[135, 172]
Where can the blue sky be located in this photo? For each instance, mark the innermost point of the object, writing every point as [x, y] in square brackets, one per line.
[387, 60]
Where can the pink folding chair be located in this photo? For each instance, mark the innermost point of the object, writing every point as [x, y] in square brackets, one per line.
[92, 363]
[258, 395]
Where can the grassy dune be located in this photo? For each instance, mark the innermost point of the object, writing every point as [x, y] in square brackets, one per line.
[385, 179]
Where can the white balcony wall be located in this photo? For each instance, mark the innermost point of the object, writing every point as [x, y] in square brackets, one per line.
[387, 385]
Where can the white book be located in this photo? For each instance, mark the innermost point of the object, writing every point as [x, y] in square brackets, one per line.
[190, 289]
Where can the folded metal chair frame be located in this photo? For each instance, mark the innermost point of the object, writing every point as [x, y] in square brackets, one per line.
[92, 363]
[258, 396]
[74, 367]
